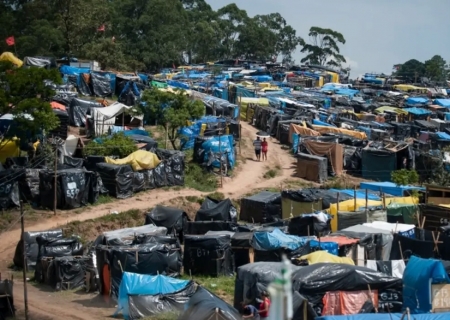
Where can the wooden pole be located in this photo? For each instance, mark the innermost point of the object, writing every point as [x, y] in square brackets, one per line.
[337, 203]
[24, 271]
[55, 177]
[220, 155]
[354, 198]
[240, 137]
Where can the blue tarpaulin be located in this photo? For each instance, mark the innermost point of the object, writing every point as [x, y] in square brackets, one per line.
[442, 102]
[443, 135]
[360, 194]
[225, 146]
[321, 123]
[189, 133]
[276, 239]
[141, 284]
[417, 111]
[178, 84]
[295, 142]
[418, 276]
[388, 316]
[416, 100]
[388, 187]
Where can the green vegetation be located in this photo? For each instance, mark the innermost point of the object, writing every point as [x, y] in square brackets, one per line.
[22, 93]
[171, 110]
[220, 286]
[117, 145]
[405, 177]
[271, 173]
[436, 69]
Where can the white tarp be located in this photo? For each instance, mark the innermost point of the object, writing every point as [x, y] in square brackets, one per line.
[105, 118]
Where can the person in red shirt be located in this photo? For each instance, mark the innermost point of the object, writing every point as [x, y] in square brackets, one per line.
[264, 306]
[264, 146]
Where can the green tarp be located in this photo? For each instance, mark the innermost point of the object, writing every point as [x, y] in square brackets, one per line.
[407, 212]
[158, 84]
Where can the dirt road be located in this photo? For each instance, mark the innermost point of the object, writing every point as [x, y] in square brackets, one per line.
[50, 305]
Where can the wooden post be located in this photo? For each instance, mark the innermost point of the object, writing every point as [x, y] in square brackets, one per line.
[337, 203]
[240, 137]
[24, 271]
[367, 204]
[220, 155]
[55, 176]
[354, 198]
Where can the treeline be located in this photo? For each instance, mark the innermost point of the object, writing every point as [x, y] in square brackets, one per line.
[435, 69]
[150, 34]
[141, 34]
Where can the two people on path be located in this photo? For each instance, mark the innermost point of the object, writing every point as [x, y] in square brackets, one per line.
[250, 311]
[261, 147]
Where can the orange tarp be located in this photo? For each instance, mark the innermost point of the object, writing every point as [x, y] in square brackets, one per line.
[341, 241]
[355, 134]
[333, 151]
[347, 302]
[302, 131]
[56, 105]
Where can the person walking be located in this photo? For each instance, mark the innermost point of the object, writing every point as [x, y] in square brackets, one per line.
[264, 148]
[264, 306]
[257, 144]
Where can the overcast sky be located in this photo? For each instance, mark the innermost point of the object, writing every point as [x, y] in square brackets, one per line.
[379, 33]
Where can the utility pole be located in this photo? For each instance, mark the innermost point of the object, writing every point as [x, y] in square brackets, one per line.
[24, 271]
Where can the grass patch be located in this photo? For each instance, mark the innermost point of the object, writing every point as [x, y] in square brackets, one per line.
[11, 217]
[272, 173]
[193, 199]
[220, 286]
[217, 196]
[90, 229]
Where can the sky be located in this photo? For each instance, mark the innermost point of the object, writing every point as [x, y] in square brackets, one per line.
[378, 33]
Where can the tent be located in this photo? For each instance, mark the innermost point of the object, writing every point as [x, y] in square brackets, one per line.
[205, 305]
[105, 118]
[142, 296]
[173, 219]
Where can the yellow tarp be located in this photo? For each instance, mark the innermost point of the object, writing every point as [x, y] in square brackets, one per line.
[9, 149]
[408, 87]
[8, 56]
[355, 134]
[391, 109]
[349, 205]
[245, 101]
[138, 160]
[325, 257]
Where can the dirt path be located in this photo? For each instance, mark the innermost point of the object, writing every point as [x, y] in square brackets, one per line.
[50, 305]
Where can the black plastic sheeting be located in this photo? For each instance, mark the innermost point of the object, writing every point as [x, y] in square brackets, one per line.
[32, 247]
[117, 179]
[203, 305]
[308, 226]
[75, 163]
[9, 188]
[262, 207]
[142, 306]
[75, 188]
[100, 85]
[202, 227]
[130, 236]
[67, 273]
[7, 308]
[315, 280]
[208, 255]
[149, 258]
[53, 248]
[215, 210]
[312, 195]
[62, 129]
[78, 109]
[252, 279]
[173, 219]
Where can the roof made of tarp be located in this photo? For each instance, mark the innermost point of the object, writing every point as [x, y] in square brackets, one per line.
[388, 316]
[388, 187]
[417, 111]
[442, 102]
[416, 100]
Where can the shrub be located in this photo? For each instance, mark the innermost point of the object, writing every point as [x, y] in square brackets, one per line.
[116, 145]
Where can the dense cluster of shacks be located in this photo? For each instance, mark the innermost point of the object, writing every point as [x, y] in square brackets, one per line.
[367, 253]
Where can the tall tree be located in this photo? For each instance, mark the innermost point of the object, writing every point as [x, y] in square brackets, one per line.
[435, 69]
[171, 110]
[23, 93]
[324, 47]
[232, 19]
[412, 70]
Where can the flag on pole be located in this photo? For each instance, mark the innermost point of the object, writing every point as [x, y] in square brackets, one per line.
[101, 28]
[10, 41]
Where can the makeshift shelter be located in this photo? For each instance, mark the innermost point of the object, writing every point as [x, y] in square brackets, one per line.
[312, 168]
[174, 219]
[208, 255]
[214, 210]
[105, 119]
[67, 273]
[297, 202]
[128, 236]
[7, 308]
[261, 207]
[150, 258]
[117, 179]
[390, 188]
[143, 296]
[204, 305]
[334, 152]
[79, 109]
[138, 160]
[32, 247]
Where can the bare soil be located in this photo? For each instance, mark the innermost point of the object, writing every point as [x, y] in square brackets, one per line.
[44, 304]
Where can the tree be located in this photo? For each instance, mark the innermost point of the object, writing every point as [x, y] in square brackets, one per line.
[232, 19]
[171, 110]
[324, 47]
[117, 145]
[435, 69]
[411, 70]
[23, 94]
[405, 177]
